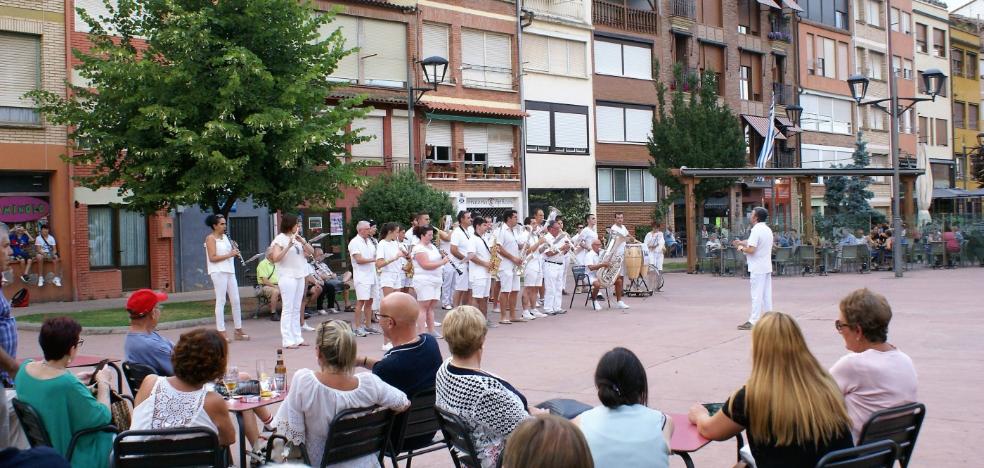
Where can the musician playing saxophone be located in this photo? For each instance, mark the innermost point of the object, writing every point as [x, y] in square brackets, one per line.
[593, 263]
[553, 264]
[508, 279]
[620, 229]
[220, 252]
[532, 271]
[460, 240]
[478, 254]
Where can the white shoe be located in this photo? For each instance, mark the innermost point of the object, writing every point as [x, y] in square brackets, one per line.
[387, 347]
[596, 305]
[539, 302]
[538, 314]
[528, 316]
[446, 307]
[621, 305]
[307, 327]
[40, 280]
[322, 312]
[56, 281]
[437, 324]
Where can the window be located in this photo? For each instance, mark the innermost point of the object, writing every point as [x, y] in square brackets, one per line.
[486, 59]
[745, 82]
[973, 115]
[556, 128]
[117, 237]
[438, 141]
[942, 174]
[897, 66]
[831, 13]
[894, 18]
[831, 57]
[873, 12]
[907, 69]
[749, 17]
[553, 55]
[623, 185]
[924, 130]
[623, 59]
[939, 42]
[382, 56]
[400, 137]
[623, 123]
[709, 13]
[21, 74]
[750, 76]
[906, 23]
[956, 61]
[905, 122]
[959, 109]
[369, 126]
[489, 144]
[810, 48]
[712, 61]
[971, 66]
[817, 157]
[942, 136]
[876, 119]
[435, 41]
[921, 45]
[824, 114]
[876, 64]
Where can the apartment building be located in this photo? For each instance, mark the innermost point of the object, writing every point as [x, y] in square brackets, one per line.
[965, 49]
[35, 183]
[934, 118]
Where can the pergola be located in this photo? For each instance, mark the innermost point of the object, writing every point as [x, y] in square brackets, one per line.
[803, 177]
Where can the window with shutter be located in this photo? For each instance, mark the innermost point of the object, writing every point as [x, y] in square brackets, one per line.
[608, 58]
[571, 132]
[638, 125]
[498, 57]
[500, 145]
[348, 67]
[538, 130]
[18, 75]
[649, 187]
[576, 58]
[435, 42]
[638, 62]
[401, 140]
[635, 186]
[95, 9]
[384, 52]
[438, 137]
[942, 135]
[372, 127]
[535, 53]
[604, 185]
[611, 123]
[476, 144]
[620, 183]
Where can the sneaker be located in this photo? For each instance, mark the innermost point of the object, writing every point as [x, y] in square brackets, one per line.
[745, 326]
[322, 312]
[437, 324]
[40, 280]
[596, 305]
[446, 307]
[26, 278]
[491, 324]
[373, 331]
[56, 281]
[333, 311]
[560, 312]
[387, 346]
[360, 332]
[528, 316]
[307, 327]
[621, 305]
[538, 314]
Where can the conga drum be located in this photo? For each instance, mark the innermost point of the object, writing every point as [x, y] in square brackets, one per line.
[633, 261]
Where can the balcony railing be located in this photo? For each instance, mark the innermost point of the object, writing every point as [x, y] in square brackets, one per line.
[688, 75]
[784, 158]
[458, 170]
[780, 30]
[573, 9]
[784, 94]
[683, 8]
[620, 16]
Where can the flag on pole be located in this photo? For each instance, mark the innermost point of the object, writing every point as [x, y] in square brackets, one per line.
[765, 154]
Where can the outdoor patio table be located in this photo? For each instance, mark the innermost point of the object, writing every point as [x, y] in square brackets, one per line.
[92, 361]
[686, 438]
[239, 406]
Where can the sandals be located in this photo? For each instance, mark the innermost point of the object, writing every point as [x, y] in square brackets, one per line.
[241, 336]
[505, 322]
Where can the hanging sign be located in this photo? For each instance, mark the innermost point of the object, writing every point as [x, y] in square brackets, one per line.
[21, 209]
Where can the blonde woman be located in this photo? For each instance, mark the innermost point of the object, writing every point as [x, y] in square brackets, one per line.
[792, 408]
[317, 396]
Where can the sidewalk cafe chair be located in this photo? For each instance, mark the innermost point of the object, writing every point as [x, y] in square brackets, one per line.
[173, 447]
[456, 432]
[784, 257]
[874, 455]
[806, 258]
[900, 425]
[418, 422]
[135, 374]
[37, 434]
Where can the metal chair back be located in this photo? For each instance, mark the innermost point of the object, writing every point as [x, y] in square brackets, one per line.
[176, 447]
[458, 434]
[806, 256]
[900, 424]
[875, 455]
[416, 424]
[135, 374]
[30, 420]
[357, 432]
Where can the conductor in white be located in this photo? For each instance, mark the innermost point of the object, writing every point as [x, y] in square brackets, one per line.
[758, 249]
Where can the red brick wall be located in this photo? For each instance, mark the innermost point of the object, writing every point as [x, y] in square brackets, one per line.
[636, 214]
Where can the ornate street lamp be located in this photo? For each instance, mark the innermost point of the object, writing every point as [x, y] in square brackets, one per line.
[435, 68]
[793, 112]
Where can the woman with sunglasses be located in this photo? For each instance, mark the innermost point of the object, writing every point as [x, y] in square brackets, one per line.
[221, 252]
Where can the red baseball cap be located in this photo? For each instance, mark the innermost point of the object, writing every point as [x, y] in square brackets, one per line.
[143, 301]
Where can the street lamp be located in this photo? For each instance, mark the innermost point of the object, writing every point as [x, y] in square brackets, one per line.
[433, 67]
[793, 112]
[933, 81]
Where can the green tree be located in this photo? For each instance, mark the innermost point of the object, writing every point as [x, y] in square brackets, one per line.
[847, 198]
[227, 100]
[397, 197]
[699, 131]
[572, 203]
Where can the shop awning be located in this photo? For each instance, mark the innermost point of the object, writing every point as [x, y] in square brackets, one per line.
[788, 124]
[473, 119]
[939, 193]
[473, 114]
[762, 126]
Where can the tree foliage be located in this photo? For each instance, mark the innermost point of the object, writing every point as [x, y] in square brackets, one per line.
[397, 197]
[573, 204]
[198, 102]
[847, 197]
[697, 131]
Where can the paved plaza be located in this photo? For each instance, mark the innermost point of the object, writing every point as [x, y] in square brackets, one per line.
[687, 339]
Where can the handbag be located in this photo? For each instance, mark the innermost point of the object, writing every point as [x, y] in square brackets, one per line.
[119, 407]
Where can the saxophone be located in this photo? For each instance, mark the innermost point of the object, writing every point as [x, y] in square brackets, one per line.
[408, 266]
[494, 259]
[607, 276]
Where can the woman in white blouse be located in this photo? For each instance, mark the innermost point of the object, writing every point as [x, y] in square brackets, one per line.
[220, 252]
[316, 397]
[289, 252]
[428, 262]
[388, 260]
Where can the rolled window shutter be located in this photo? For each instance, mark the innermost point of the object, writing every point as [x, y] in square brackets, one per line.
[95, 9]
[538, 128]
[559, 61]
[571, 130]
[649, 182]
[435, 40]
[535, 52]
[498, 57]
[348, 67]
[401, 140]
[371, 127]
[638, 62]
[476, 139]
[635, 186]
[611, 123]
[604, 185]
[473, 56]
[19, 73]
[387, 40]
[608, 58]
[576, 58]
[439, 133]
[638, 125]
[500, 145]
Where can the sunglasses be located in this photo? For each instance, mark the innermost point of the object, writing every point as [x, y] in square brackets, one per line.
[79, 343]
[839, 325]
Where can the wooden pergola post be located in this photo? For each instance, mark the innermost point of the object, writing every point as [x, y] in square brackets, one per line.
[806, 206]
[909, 202]
[690, 209]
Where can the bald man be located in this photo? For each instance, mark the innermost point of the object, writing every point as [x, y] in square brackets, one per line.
[593, 263]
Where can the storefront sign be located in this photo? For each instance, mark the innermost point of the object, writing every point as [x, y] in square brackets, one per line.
[490, 202]
[21, 209]
[337, 221]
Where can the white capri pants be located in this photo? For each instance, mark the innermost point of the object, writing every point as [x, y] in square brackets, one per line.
[225, 283]
[427, 288]
[291, 294]
[447, 283]
[553, 281]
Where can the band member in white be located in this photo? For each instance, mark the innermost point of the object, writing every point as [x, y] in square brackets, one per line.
[478, 254]
[593, 263]
[419, 219]
[406, 246]
[758, 251]
[428, 262]
[587, 237]
[508, 279]
[460, 242]
[541, 229]
[620, 229]
[388, 256]
[221, 267]
[377, 292]
[448, 274]
[553, 273]
[363, 255]
[656, 245]
[532, 271]
[289, 251]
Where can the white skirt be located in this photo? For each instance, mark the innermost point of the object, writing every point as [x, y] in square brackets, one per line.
[427, 288]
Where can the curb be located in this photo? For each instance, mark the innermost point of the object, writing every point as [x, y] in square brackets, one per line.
[30, 326]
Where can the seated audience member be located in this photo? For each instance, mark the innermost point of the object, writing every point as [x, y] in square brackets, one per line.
[875, 375]
[40, 456]
[20, 246]
[547, 441]
[63, 402]
[623, 431]
[490, 406]
[183, 400]
[46, 250]
[143, 344]
[411, 365]
[332, 284]
[713, 244]
[790, 406]
[316, 397]
[266, 276]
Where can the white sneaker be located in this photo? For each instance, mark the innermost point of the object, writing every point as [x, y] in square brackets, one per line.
[596, 304]
[387, 347]
[446, 307]
[40, 280]
[538, 314]
[539, 302]
[307, 327]
[56, 281]
[322, 312]
[621, 305]
[437, 324]
[528, 316]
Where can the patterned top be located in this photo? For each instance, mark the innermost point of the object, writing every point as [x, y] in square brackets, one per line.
[168, 408]
[8, 336]
[490, 406]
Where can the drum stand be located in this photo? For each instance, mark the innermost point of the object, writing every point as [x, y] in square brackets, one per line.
[638, 288]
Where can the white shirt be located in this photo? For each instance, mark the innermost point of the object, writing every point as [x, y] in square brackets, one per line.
[550, 247]
[623, 231]
[293, 264]
[460, 239]
[654, 242]
[587, 236]
[46, 248]
[169, 408]
[363, 273]
[507, 242]
[478, 246]
[433, 256]
[591, 258]
[411, 237]
[222, 247]
[760, 238]
[386, 251]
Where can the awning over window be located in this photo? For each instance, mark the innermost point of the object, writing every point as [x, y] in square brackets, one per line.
[770, 3]
[473, 114]
[762, 125]
[788, 124]
[792, 4]
[473, 119]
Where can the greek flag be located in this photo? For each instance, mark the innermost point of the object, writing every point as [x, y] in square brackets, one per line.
[765, 154]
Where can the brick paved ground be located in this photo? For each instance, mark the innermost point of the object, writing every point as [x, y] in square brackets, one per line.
[687, 339]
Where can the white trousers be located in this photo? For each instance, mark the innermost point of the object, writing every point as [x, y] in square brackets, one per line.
[553, 282]
[291, 296]
[377, 295]
[448, 277]
[225, 283]
[761, 295]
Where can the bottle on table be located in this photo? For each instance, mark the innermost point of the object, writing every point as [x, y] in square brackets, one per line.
[280, 372]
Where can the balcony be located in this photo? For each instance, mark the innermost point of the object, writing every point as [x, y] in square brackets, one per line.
[683, 9]
[784, 158]
[459, 170]
[688, 75]
[780, 31]
[618, 15]
[566, 9]
[784, 93]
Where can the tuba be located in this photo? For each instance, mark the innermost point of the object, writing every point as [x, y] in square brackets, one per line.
[608, 275]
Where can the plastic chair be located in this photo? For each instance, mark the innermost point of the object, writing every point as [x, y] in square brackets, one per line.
[457, 433]
[416, 423]
[900, 425]
[784, 258]
[806, 257]
[582, 285]
[167, 447]
[875, 455]
[937, 254]
[37, 434]
[135, 374]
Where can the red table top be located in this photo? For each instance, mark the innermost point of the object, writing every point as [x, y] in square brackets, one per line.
[82, 360]
[239, 405]
[686, 438]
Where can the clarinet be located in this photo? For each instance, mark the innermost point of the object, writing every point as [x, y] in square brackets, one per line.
[451, 262]
[235, 246]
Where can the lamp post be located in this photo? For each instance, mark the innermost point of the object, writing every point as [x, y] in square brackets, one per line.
[434, 68]
[933, 80]
[793, 112]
